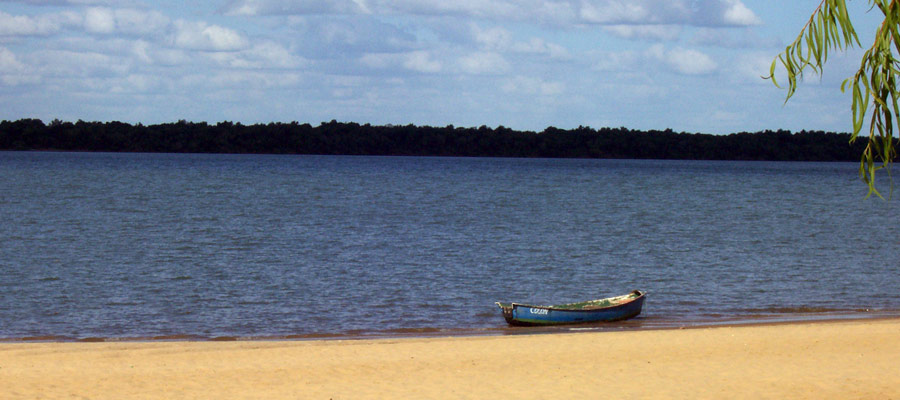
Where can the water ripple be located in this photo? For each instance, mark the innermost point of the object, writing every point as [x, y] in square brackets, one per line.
[106, 246]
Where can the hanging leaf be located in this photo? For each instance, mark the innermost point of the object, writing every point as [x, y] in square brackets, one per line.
[874, 84]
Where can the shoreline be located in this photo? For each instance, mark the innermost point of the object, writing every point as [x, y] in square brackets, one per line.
[633, 325]
[833, 359]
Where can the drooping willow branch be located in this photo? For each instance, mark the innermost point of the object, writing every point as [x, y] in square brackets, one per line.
[873, 88]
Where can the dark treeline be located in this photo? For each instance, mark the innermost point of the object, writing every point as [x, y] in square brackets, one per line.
[355, 139]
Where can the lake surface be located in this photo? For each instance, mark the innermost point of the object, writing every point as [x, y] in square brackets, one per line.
[142, 246]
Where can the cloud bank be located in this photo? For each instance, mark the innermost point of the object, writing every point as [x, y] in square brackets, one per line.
[526, 64]
[560, 12]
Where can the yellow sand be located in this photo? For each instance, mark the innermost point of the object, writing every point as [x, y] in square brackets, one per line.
[833, 360]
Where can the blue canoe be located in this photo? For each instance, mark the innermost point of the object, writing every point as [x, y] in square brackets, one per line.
[603, 310]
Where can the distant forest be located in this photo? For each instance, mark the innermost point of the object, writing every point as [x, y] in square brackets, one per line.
[410, 140]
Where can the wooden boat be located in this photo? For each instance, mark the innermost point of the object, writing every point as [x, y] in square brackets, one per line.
[603, 310]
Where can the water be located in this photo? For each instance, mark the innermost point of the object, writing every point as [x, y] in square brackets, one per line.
[138, 246]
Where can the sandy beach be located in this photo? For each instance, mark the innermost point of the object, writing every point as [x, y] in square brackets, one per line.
[834, 360]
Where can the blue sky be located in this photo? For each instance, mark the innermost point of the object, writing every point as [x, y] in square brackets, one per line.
[688, 65]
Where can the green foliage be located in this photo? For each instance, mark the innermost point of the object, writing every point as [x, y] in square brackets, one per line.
[409, 140]
[873, 88]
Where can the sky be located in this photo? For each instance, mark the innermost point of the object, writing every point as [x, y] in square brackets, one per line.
[686, 65]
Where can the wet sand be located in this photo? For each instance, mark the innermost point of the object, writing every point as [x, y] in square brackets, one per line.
[835, 360]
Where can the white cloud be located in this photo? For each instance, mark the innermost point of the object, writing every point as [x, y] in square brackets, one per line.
[532, 86]
[673, 12]
[691, 62]
[21, 25]
[141, 50]
[143, 23]
[421, 61]
[67, 19]
[227, 80]
[75, 66]
[99, 20]
[499, 39]
[540, 46]
[751, 67]
[617, 12]
[470, 8]
[325, 38]
[651, 32]
[77, 2]
[9, 62]
[557, 12]
[738, 14]
[281, 7]
[616, 61]
[205, 37]
[265, 55]
[684, 61]
[725, 13]
[12, 71]
[418, 61]
[378, 60]
[149, 53]
[483, 63]
[551, 12]
[136, 83]
[493, 38]
[274, 55]
[96, 20]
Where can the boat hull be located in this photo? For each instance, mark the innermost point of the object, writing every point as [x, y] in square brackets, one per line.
[530, 315]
